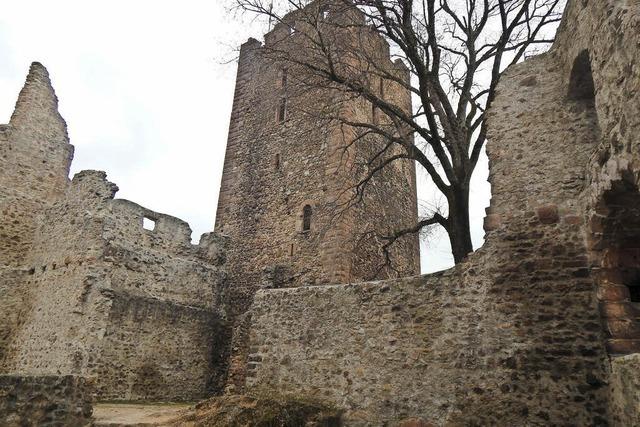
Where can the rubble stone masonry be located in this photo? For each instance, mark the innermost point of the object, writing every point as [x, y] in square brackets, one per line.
[86, 289]
[288, 151]
[524, 331]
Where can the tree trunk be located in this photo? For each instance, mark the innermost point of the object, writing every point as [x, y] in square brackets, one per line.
[458, 227]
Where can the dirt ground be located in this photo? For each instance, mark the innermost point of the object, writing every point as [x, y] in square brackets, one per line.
[116, 414]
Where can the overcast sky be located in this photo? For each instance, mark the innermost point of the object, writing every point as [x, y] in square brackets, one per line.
[147, 97]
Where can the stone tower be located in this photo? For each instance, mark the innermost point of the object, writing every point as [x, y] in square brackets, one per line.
[287, 186]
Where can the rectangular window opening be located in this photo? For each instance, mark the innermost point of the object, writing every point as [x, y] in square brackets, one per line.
[148, 224]
[634, 292]
[276, 162]
[282, 110]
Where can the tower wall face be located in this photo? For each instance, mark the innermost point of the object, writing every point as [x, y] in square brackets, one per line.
[275, 166]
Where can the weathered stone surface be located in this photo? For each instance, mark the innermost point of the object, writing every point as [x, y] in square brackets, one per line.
[513, 336]
[45, 401]
[275, 168]
[625, 390]
[527, 331]
[84, 288]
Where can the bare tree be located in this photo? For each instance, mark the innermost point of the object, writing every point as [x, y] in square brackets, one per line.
[454, 50]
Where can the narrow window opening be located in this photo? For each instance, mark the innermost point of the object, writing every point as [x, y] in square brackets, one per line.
[282, 110]
[381, 88]
[276, 162]
[634, 291]
[581, 86]
[374, 114]
[291, 250]
[306, 218]
[148, 224]
[285, 76]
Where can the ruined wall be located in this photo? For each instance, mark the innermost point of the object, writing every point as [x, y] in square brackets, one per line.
[35, 156]
[85, 288]
[521, 333]
[132, 308]
[173, 356]
[44, 401]
[504, 339]
[624, 385]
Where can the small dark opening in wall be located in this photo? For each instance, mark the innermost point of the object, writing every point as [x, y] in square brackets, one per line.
[581, 86]
[285, 77]
[282, 110]
[306, 218]
[148, 224]
[276, 162]
[291, 250]
[634, 291]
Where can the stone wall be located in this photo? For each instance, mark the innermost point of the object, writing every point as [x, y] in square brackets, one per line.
[129, 307]
[44, 401]
[86, 289]
[275, 168]
[505, 339]
[35, 156]
[624, 385]
[174, 355]
[521, 333]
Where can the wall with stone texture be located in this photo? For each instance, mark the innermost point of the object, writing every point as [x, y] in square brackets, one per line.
[504, 339]
[624, 385]
[272, 170]
[86, 289]
[35, 156]
[522, 332]
[129, 307]
[175, 355]
[44, 401]
[14, 307]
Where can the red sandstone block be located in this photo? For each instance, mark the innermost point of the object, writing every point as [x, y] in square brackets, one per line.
[610, 277]
[595, 224]
[624, 329]
[573, 220]
[623, 346]
[492, 222]
[618, 310]
[613, 293]
[548, 214]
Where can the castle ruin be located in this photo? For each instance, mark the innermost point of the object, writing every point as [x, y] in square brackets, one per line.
[540, 326]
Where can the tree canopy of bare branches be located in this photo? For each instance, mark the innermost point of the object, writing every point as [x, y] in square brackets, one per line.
[455, 52]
